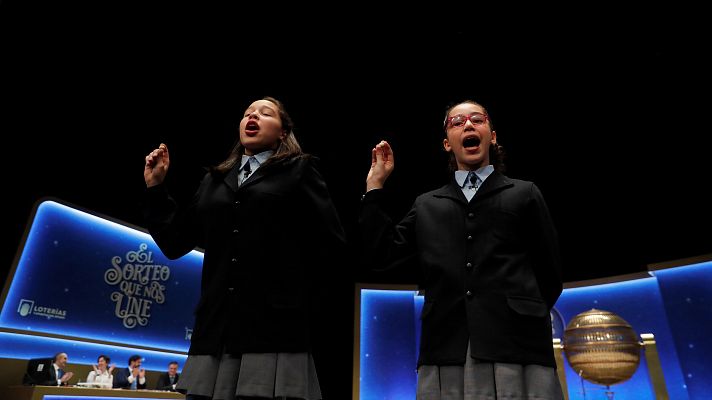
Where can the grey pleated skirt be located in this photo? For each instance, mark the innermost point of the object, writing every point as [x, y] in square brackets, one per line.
[479, 380]
[266, 375]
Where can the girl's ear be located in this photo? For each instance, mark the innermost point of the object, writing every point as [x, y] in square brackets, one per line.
[447, 146]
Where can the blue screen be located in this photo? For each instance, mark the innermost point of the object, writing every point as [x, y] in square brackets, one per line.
[83, 276]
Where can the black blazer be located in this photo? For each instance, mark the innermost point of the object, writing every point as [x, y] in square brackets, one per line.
[265, 243]
[121, 380]
[490, 269]
[164, 382]
[46, 377]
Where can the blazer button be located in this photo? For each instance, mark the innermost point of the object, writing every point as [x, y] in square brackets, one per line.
[471, 215]
[468, 265]
[468, 293]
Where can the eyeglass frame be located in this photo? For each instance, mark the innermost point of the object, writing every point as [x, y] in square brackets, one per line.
[448, 121]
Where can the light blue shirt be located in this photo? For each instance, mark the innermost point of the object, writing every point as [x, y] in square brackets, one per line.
[134, 381]
[255, 162]
[462, 178]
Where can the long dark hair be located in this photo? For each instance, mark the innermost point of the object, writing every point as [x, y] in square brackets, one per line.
[288, 147]
[496, 151]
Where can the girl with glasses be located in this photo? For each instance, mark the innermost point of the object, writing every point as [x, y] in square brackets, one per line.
[485, 253]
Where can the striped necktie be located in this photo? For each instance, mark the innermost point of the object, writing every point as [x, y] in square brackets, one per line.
[247, 170]
[473, 181]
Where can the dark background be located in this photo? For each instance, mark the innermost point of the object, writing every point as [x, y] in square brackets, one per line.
[609, 118]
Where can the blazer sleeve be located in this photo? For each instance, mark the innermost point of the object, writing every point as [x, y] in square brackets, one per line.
[163, 382]
[121, 379]
[175, 231]
[545, 248]
[386, 246]
[49, 379]
[323, 217]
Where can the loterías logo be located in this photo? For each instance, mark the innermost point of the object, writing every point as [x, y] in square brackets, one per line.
[139, 285]
[27, 307]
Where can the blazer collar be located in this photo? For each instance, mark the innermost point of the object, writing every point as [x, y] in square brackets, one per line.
[231, 177]
[494, 183]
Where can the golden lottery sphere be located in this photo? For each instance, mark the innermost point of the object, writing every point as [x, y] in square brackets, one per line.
[601, 347]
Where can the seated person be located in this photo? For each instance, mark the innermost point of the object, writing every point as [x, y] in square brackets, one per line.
[133, 377]
[168, 380]
[48, 372]
[101, 375]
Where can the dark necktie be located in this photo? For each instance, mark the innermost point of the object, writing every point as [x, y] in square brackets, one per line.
[246, 170]
[474, 182]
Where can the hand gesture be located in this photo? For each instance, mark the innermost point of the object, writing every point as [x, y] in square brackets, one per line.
[134, 372]
[142, 373]
[96, 369]
[111, 368]
[156, 168]
[67, 376]
[382, 164]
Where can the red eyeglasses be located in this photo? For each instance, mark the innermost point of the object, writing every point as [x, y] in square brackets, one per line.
[460, 120]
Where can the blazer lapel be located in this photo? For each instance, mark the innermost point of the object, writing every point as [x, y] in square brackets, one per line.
[494, 183]
[451, 191]
[231, 178]
[254, 178]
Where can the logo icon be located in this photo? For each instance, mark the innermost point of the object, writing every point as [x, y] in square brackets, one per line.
[25, 307]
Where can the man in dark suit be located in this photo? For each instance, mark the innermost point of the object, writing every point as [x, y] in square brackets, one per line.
[168, 380]
[48, 373]
[133, 377]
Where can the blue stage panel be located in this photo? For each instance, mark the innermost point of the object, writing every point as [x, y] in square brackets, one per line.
[640, 303]
[673, 304]
[688, 301]
[83, 276]
[388, 364]
[56, 397]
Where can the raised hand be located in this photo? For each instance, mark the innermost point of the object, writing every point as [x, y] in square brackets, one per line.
[156, 168]
[111, 369]
[382, 164]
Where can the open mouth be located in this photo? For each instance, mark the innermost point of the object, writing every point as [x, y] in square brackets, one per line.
[472, 141]
[252, 127]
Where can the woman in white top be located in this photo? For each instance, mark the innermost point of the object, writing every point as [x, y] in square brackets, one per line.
[100, 374]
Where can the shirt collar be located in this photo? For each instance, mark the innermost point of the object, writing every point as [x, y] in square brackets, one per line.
[482, 173]
[260, 157]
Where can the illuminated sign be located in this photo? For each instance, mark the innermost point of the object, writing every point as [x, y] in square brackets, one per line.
[83, 276]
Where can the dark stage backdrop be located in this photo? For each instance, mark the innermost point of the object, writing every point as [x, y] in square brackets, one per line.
[608, 124]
